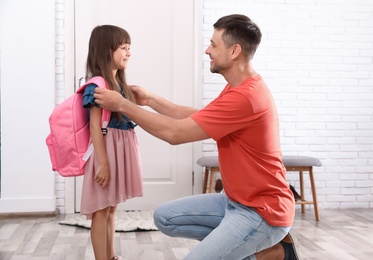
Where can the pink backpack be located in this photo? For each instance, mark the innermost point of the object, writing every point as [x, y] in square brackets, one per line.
[69, 138]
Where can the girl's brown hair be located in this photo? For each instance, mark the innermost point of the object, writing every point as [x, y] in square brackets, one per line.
[104, 41]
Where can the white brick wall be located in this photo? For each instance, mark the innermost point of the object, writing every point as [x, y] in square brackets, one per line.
[317, 58]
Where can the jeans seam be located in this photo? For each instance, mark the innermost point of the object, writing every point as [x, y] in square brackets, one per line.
[253, 231]
[259, 247]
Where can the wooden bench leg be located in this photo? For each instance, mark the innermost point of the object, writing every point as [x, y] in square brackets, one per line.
[204, 187]
[314, 196]
[212, 180]
[302, 197]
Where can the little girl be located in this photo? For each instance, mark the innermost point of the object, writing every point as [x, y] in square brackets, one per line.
[113, 172]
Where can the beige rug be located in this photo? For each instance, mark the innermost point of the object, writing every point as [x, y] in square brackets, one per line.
[125, 221]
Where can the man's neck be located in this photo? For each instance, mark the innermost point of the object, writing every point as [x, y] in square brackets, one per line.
[236, 75]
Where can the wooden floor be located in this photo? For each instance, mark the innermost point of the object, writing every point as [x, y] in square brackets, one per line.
[340, 234]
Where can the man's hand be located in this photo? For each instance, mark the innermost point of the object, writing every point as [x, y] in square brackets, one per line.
[108, 99]
[141, 95]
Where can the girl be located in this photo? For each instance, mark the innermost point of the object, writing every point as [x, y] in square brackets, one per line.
[113, 172]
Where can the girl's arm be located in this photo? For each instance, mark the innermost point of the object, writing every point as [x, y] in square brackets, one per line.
[102, 172]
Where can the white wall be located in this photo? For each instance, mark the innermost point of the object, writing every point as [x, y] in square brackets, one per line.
[317, 59]
[27, 81]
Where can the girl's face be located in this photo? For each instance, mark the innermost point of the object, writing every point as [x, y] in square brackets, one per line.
[121, 56]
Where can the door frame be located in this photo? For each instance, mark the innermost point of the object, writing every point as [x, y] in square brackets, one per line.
[70, 87]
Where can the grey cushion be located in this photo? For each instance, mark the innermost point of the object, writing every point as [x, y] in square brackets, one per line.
[208, 161]
[288, 160]
[297, 160]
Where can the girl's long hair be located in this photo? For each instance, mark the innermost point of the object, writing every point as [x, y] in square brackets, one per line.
[104, 41]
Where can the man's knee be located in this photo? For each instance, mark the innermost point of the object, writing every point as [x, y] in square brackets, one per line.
[160, 219]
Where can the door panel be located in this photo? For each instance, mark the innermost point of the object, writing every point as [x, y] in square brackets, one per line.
[162, 61]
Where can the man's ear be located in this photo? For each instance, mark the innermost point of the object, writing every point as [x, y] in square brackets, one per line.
[236, 51]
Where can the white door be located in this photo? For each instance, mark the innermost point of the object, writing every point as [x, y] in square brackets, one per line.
[162, 34]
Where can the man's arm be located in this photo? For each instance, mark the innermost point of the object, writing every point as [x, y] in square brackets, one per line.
[161, 105]
[169, 129]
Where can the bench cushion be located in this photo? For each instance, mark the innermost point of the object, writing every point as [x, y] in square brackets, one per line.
[288, 160]
[208, 161]
[295, 160]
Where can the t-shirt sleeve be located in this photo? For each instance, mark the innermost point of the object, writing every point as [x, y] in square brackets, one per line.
[88, 98]
[225, 115]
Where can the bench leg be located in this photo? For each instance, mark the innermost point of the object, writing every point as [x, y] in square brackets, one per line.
[314, 197]
[212, 180]
[302, 197]
[204, 187]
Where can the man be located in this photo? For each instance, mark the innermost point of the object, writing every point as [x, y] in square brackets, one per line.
[252, 218]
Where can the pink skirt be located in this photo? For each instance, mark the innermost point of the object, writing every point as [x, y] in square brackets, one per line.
[125, 173]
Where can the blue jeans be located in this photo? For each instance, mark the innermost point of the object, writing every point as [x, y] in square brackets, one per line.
[226, 229]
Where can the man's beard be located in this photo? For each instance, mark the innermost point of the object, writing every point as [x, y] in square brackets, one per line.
[217, 69]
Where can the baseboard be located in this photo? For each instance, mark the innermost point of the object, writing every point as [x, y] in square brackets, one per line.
[29, 215]
[27, 206]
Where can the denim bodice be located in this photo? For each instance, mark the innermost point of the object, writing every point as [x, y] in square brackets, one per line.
[88, 100]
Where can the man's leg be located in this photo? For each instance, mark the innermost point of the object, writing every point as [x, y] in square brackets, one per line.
[241, 234]
[287, 249]
[229, 230]
[191, 217]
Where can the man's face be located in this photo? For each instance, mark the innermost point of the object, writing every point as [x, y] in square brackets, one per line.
[219, 54]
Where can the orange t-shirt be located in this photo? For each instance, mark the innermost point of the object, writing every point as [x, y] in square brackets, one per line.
[244, 123]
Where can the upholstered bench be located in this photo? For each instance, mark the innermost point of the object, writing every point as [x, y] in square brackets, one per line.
[211, 165]
[304, 164]
[297, 163]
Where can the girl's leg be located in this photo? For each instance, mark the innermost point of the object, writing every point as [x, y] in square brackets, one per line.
[191, 217]
[110, 233]
[99, 233]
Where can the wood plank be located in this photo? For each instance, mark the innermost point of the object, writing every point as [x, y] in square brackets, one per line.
[341, 234]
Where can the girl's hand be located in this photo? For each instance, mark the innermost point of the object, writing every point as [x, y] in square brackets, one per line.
[102, 175]
[142, 95]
